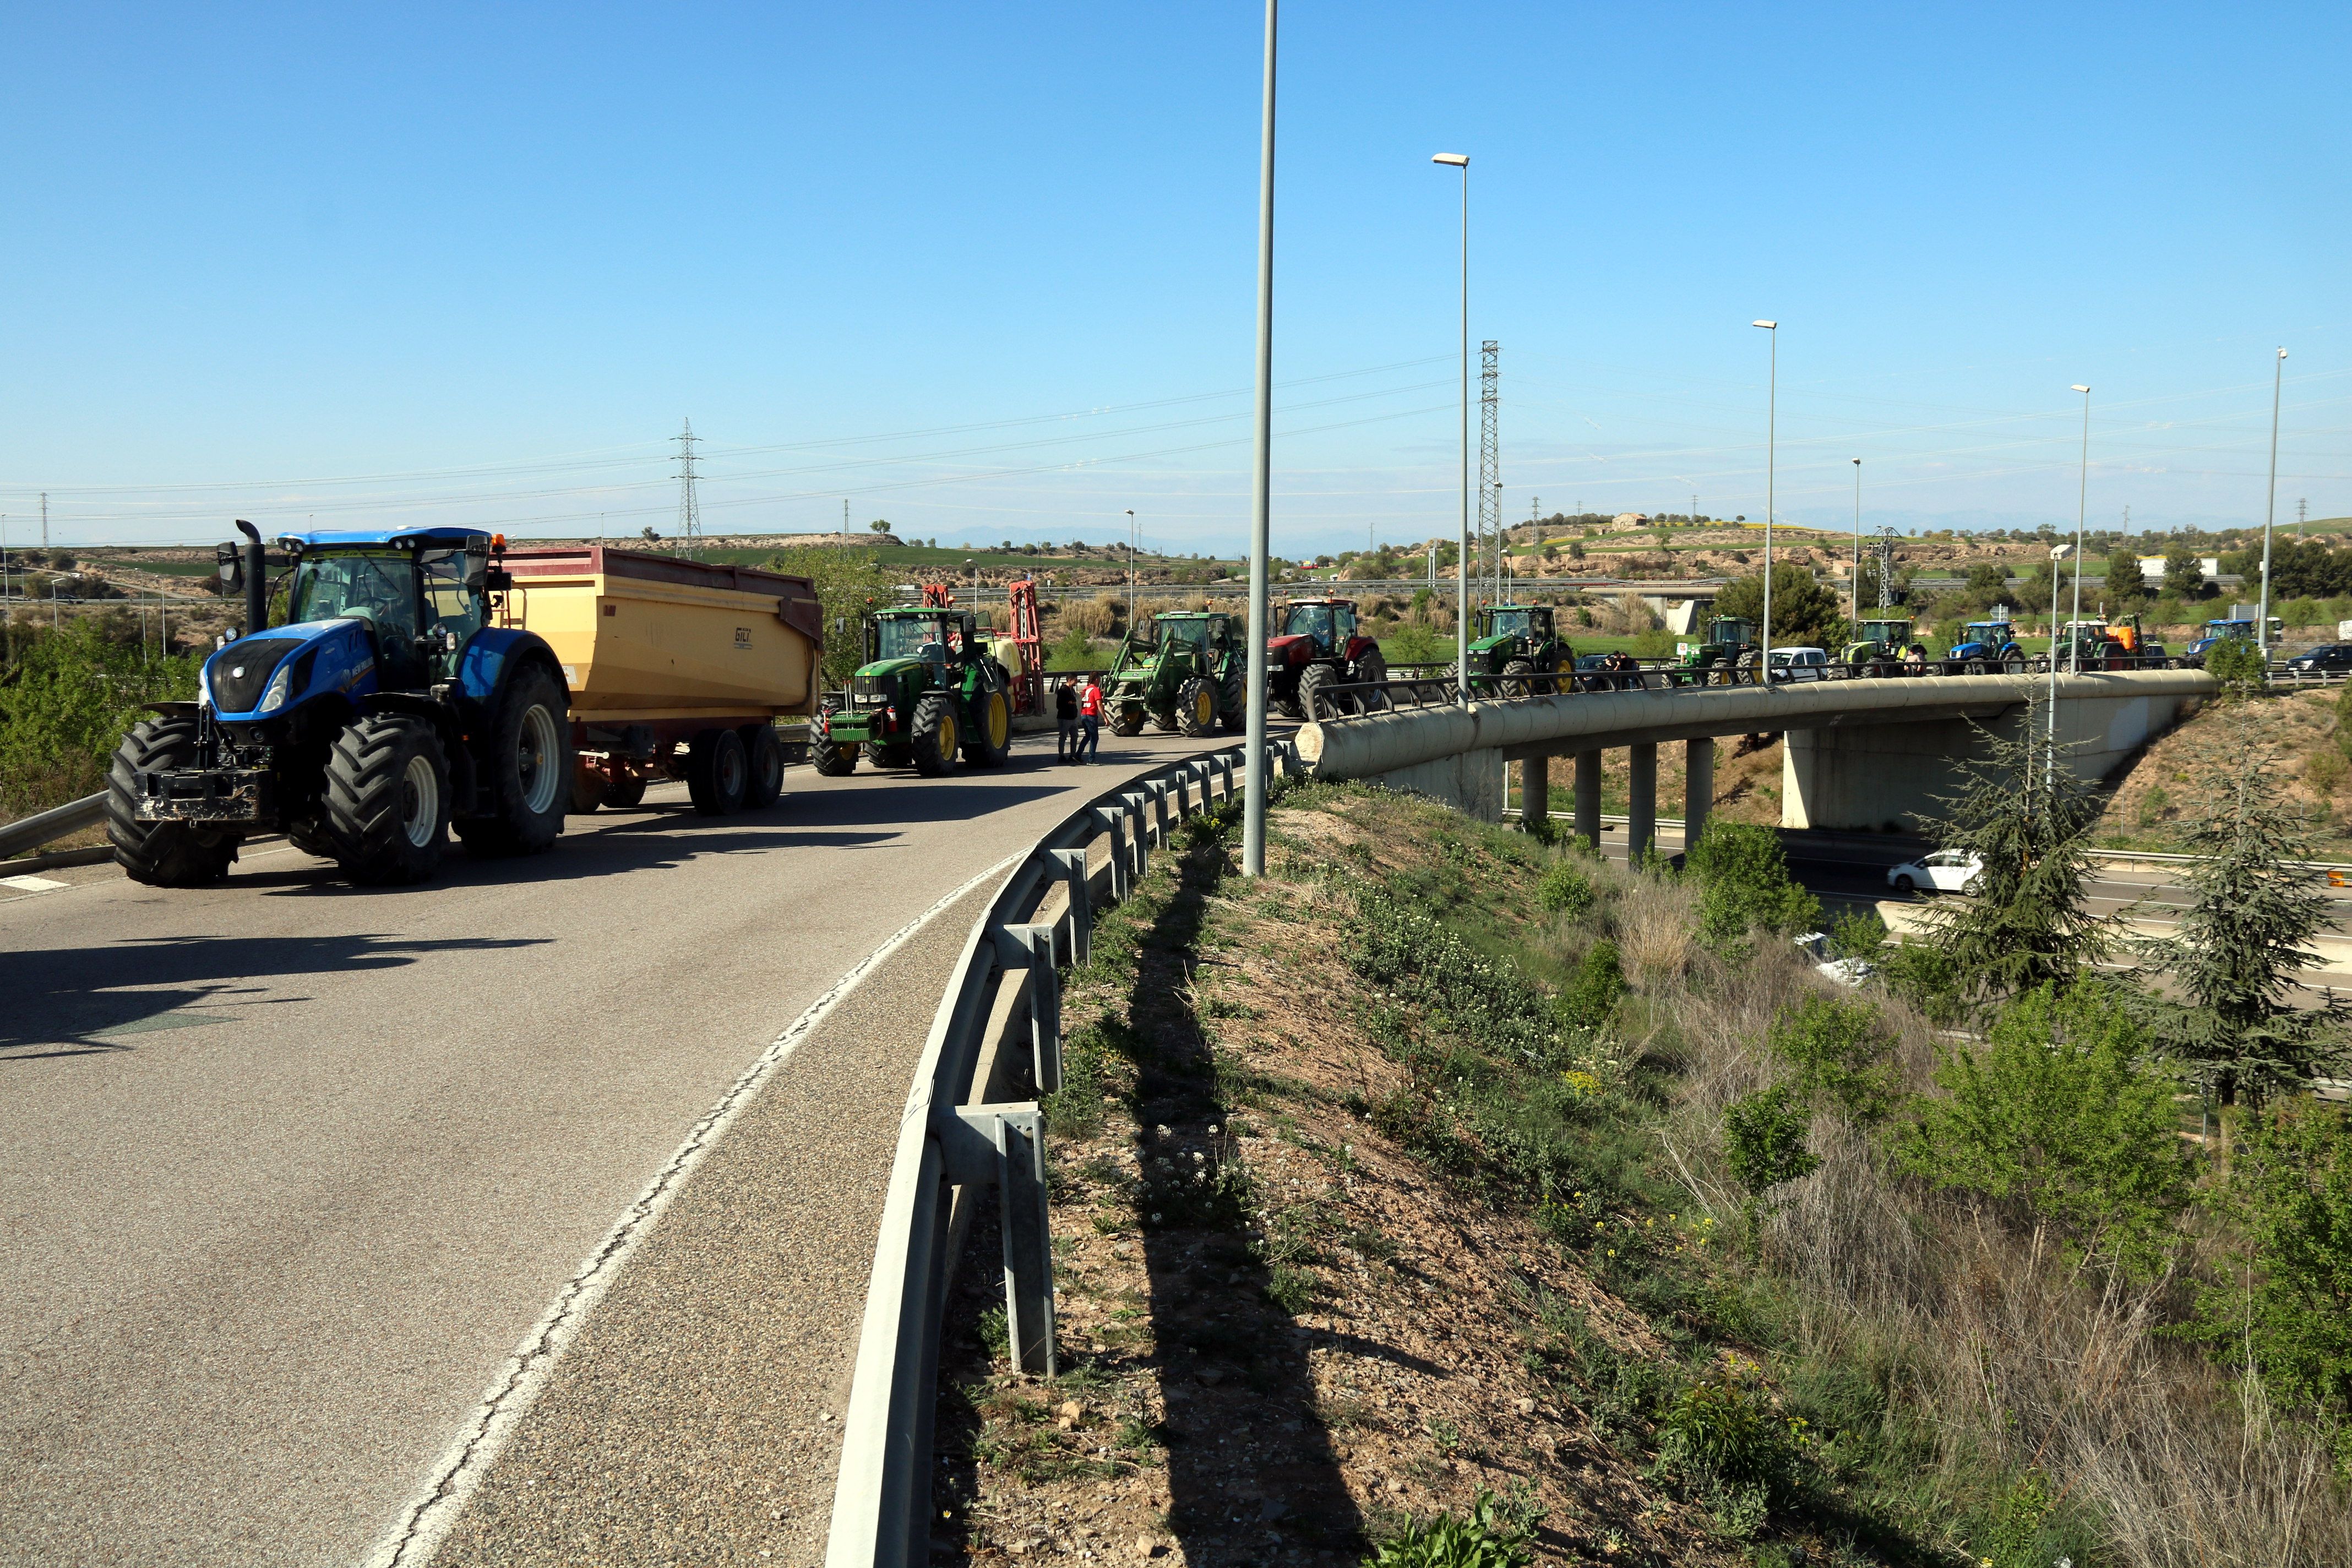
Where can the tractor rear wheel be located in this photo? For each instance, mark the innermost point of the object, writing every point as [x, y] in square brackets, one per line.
[764, 757]
[717, 771]
[160, 854]
[528, 766]
[1312, 680]
[1374, 670]
[990, 742]
[1515, 681]
[934, 733]
[387, 807]
[1196, 707]
[625, 791]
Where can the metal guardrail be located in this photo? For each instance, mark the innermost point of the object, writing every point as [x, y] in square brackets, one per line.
[32, 832]
[948, 1151]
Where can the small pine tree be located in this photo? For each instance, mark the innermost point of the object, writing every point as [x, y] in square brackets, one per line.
[2243, 942]
[2026, 921]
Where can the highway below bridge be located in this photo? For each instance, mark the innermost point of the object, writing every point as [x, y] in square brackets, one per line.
[291, 1170]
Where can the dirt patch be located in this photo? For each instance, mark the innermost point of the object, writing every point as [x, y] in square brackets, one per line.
[2294, 738]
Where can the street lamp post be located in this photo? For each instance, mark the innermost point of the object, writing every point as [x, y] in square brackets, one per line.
[1132, 537]
[2058, 553]
[2082, 505]
[1772, 431]
[1253, 784]
[2270, 508]
[1462, 544]
[1853, 606]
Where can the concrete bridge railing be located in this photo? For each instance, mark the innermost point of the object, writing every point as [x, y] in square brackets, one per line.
[1861, 754]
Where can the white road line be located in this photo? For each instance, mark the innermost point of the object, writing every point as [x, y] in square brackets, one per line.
[427, 1519]
[31, 884]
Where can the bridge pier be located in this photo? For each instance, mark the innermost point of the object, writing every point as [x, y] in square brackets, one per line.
[1698, 788]
[1642, 799]
[1588, 796]
[1535, 794]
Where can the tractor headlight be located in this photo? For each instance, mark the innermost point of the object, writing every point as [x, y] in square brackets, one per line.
[282, 686]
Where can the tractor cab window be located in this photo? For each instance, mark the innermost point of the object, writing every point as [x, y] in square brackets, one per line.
[449, 606]
[378, 587]
[961, 634]
[1193, 634]
[1510, 623]
[1344, 620]
[909, 637]
[1313, 621]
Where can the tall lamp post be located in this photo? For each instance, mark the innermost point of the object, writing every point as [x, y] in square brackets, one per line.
[1853, 607]
[1131, 538]
[2082, 505]
[1772, 431]
[2058, 552]
[1462, 544]
[2270, 508]
[1253, 784]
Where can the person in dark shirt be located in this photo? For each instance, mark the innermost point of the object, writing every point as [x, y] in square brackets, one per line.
[1066, 721]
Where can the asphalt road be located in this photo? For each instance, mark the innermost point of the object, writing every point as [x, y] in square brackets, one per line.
[289, 1169]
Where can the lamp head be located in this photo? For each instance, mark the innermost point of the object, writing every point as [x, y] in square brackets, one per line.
[1453, 160]
[2084, 390]
[2281, 354]
[1767, 326]
[2060, 552]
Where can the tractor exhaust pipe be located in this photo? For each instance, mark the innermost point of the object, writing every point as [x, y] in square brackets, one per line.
[257, 579]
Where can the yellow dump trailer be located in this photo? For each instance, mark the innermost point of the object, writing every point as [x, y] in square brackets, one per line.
[676, 668]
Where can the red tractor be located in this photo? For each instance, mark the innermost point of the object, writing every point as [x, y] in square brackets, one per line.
[1317, 645]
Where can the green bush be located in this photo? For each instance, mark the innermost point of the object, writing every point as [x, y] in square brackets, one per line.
[1764, 1140]
[1841, 1051]
[1744, 881]
[2237, 664]
[1589, 1000]
[1859, 933]
[67, 698]
[2056, 1111]
[1489, 1537]
[2285, 1300]
[1725, 1441]
[1563, 889]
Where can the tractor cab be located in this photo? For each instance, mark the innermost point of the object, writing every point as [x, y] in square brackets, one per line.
[932, 636]
[1878, 641]
[1318, 643]
[1326, 625]
[1987, 641]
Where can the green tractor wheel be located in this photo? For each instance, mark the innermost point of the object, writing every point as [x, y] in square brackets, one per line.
[1196, 707]
[989, 740]
[1128, 720]
[1233, 703]
[933, 734]
[832, 758]
[1515, 681]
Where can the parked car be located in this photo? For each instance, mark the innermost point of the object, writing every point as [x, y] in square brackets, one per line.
[1800, 664]
[2328, 656]
[1945, 871]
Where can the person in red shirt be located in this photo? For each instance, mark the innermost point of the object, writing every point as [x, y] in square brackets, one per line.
[1090, 705]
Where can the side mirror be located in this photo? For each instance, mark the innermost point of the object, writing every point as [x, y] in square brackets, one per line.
[230, 561]
[478, 568]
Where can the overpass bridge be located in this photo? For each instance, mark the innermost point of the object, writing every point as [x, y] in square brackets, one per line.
[1862, 753]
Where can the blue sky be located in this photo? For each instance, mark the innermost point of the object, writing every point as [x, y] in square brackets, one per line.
[988, 271]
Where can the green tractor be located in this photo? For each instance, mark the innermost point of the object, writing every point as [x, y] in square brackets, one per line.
[1513, 645]
[1189, 673]
[1730, 645]
[1878, 646]
[927, 692]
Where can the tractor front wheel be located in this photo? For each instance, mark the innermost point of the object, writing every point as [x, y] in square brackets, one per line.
[387, 809]
[160, 854]
[1196, 707]
[1312, 680]
[832, 758]
[990, 744]
[1372, 669]
[1517, 679]
[1128, 720]
[933, 734]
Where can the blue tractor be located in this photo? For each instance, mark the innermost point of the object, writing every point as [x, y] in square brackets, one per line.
[2218, 632]
[388, 711]
[1984, 644]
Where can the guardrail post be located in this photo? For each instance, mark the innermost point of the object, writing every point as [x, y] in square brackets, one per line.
[1163, 825]
[1138, 842]
[1114, 821]
[1005, 1146]
[1044, 1007]
[1072, 864]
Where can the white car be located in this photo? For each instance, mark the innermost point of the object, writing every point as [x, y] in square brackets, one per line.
[1846, 972]
[1800, 664]
[1945, 871]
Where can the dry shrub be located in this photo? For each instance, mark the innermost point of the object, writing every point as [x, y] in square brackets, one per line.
[1626, 616]
[2011, 1353]
[1655, 919]
[1098, 617]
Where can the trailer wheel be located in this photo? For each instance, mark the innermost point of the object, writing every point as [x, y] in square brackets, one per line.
[1196, 707]
[587, 791]
[160, 854]
[990, 744]
[387, 806]
[832, 759]
[717, 771]
[763, 756]
[528, 764]
[933, 733]
[625, 791]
